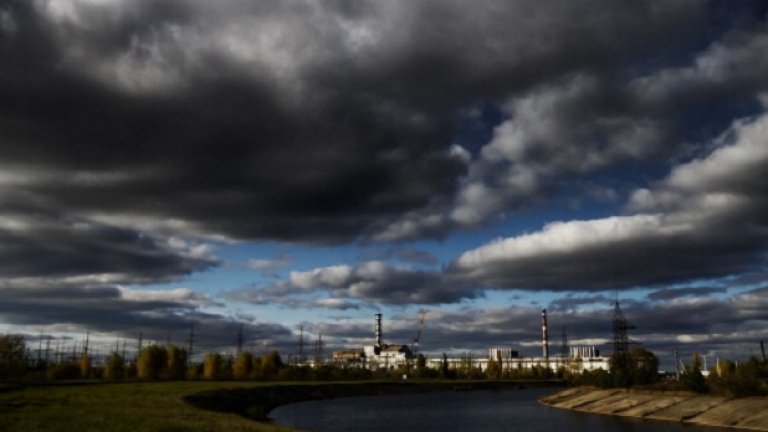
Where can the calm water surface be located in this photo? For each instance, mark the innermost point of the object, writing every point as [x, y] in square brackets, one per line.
[506, 410]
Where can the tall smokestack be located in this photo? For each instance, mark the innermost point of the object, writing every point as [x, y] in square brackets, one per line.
[378, 330]
[544, 335]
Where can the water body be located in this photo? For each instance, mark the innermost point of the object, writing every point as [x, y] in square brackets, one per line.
[473, 411]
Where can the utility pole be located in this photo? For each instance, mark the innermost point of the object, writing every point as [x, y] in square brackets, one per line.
[47, 348]
[139, 346]
[762, 349]
[544, 337]
[677, 365]
[301, 345]
[39, 347]
[240, 339]
[191, 343]
[319, 350]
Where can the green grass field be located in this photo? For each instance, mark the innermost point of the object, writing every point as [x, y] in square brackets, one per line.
[129, 407]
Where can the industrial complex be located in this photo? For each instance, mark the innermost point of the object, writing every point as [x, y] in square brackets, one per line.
[576, 358]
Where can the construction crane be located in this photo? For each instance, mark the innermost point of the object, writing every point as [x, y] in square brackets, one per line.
[418, 334]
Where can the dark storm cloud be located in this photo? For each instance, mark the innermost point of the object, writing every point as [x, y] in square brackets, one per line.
[284, 120]
[122, 313]
[45, 245]
[673, 293]
[129, 127]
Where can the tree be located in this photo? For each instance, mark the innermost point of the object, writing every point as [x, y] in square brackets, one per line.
[271, 364]
[243, 366]
[213, 366]
[731, 380]
[176, 363]
[645, 367]
[12, 356]
[493, 369]
[421, 363]
[85, 365]
[151, 363]
[444, 370]
[114, 367]
[692, 378]
[637, 367]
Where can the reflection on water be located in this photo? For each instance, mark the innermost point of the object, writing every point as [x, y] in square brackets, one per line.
[507, 410]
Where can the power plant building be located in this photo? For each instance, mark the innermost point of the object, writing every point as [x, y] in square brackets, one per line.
[378, 355]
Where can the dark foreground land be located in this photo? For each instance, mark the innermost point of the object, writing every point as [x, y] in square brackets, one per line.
[189, 406]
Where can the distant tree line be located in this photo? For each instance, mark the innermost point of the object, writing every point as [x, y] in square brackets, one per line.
[639, 368]
[156, 362]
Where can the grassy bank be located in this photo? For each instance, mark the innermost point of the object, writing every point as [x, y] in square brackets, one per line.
[129, 407]
[186, 406]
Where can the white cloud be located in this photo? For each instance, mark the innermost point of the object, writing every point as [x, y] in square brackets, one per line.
[735, 64]
[331, 277]
[698, 222]
[569, 238]
[177, 295]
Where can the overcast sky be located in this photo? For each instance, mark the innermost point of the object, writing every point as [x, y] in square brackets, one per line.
[277, 164]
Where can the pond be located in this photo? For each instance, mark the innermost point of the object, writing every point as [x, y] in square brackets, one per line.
[466, 411]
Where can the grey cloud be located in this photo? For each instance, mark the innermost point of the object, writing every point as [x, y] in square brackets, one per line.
[373, 282]
[570, 302]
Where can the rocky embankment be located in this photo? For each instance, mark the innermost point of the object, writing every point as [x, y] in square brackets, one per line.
[743, 413]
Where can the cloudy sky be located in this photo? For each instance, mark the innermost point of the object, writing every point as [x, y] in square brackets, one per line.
[277, 164]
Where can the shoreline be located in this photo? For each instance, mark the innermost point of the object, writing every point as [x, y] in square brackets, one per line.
[749, 413]
[256, 403]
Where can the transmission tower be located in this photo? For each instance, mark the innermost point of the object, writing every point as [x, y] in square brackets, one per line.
[620, 327]
[191, 342]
